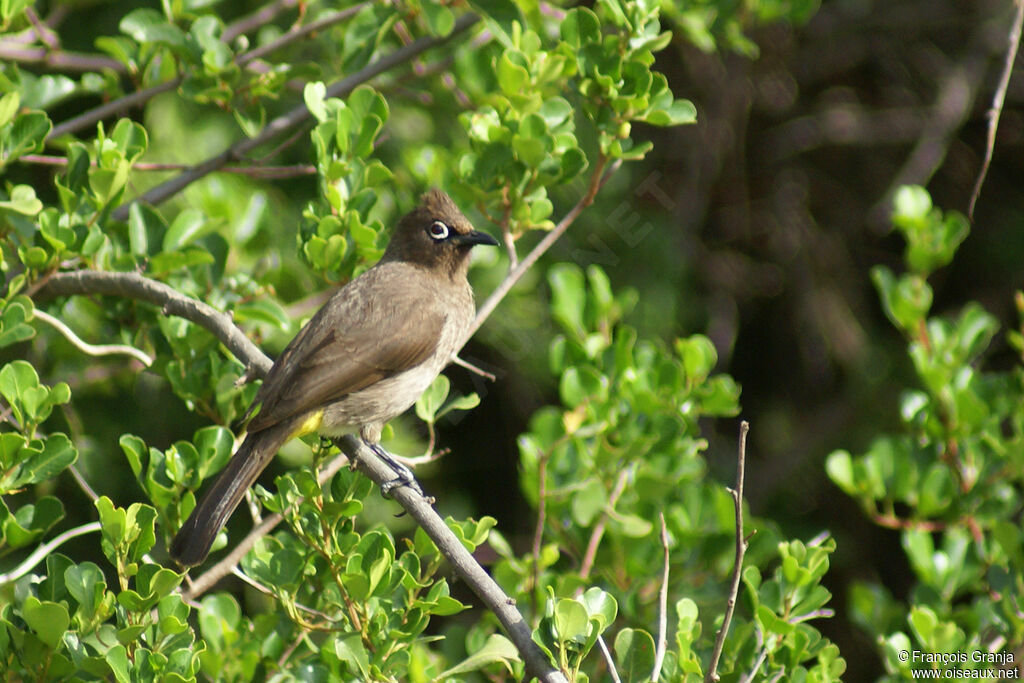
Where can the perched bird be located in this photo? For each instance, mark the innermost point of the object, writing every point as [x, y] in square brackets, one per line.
[361, 360]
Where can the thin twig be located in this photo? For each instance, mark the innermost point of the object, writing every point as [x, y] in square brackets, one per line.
[741, 549]
[43, 32]
[83, 484]
[296, 117]
[608, 659]
[89, 118]
[659, 650]
[300, 32]
[538, 530]
[249, 170]
[40, 553]
[463, 363]
[997, 104]
[598, 533]
[260, 17]
[92, 349]
[57, 60]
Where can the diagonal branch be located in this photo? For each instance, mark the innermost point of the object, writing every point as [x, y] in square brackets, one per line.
[997, 104]
[741, 549]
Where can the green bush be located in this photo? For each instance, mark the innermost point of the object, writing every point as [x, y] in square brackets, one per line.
[515, 110]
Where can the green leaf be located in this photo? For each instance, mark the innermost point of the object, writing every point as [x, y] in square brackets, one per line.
[600, 604]
[571, 623]
[14, 327]
[26, 135]
[9, 105]
[496, 649]
[350, 649]
[86, 584]
[839, 467]
[567, 296]
[911, 204]
[512, 78]
[313, 95]
[23, 200]
[431, 400]
[187, 226]
[49, 620]
[580, 27]
[634, 654]
[219, 618]
[147, 25]
[678, 113]
[588, 502]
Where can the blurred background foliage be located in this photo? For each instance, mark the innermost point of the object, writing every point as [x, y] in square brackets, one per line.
[757, 226]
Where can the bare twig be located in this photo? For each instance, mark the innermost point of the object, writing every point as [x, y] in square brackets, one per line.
[659, 650]
[83, 484]
[40, 553]
[249, 170]
[260, 17]
[300, 32]
[57, 60]
[92, 349]
[598, 533]
[608, 659]
[46, 36]
[538, 531]
[296, 117]
[463, 363]
[86, 119]
[741, 549]
[997, 104]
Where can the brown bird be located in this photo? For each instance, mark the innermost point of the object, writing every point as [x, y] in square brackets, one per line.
[361, 360]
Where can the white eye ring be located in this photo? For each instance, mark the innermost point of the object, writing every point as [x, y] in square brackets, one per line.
[438, 231]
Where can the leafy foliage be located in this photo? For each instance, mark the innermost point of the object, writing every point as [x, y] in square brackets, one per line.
[950, 480]
[521, 111]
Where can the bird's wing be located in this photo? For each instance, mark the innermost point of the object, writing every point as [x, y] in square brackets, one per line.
[370, 330]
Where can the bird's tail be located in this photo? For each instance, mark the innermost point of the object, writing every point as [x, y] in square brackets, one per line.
[192, 543]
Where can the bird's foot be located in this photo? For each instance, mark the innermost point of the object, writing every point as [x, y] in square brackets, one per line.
[403, 475]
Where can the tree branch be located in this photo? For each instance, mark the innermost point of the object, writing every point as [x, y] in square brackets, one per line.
[57, 60]
[741, 548]
[117, 106]
[997, 104]
[171, 302]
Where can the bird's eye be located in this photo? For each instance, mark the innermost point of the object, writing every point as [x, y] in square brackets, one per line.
[438, 231]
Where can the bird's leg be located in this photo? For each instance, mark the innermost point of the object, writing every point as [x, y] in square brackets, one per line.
[403, 475]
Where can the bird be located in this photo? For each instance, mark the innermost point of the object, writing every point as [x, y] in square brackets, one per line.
[364, 358]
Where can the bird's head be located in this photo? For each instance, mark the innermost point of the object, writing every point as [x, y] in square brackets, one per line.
[437, 235]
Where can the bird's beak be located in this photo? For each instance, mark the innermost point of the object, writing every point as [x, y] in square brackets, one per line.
[474, 238]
